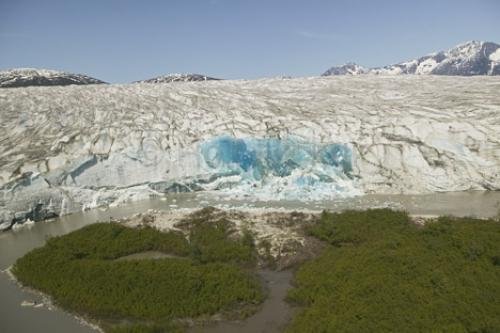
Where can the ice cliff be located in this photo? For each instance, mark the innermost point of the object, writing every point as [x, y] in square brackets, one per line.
[275, 168]
[64, 149]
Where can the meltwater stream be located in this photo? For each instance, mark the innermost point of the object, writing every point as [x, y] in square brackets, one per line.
[13, 244]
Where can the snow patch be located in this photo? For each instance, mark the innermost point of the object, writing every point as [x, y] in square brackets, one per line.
[495, 56]
[426, 66]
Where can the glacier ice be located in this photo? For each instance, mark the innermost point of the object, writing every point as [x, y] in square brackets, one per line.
[64, 149]
[271, 168]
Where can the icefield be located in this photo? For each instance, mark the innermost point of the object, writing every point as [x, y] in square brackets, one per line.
[64, 149]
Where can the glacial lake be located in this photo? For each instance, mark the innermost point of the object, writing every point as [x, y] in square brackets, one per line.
[15, 318]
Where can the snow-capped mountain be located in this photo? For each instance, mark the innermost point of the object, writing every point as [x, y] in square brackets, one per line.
[178, 78]
[24, 77]
[467, 59]
[350, 68]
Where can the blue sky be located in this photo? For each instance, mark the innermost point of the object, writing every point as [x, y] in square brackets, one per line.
[126, 40]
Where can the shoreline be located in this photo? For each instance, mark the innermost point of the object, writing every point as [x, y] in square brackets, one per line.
[47, 302]
[479, 204]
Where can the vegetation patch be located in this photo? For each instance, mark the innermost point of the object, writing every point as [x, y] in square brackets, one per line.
[209, 274]
[382, 273]
[216, 242]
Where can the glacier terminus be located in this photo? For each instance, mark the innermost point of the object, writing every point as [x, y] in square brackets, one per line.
[68, 148]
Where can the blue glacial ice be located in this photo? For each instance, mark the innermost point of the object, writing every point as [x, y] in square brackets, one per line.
[279, 169]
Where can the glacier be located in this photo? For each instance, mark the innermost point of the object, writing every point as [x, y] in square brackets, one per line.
[68, 148]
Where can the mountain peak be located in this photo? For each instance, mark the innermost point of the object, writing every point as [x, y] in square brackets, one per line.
[471, 43]
[24, 77]
[466, 59]
[176, 77]
[349, 68]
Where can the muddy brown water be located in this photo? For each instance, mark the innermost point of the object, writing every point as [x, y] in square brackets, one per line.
[272, 317]
[274, 313]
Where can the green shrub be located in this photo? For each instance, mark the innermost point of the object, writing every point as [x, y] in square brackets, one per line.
[112, 240]
[79, 271]
[385, 274]
[212, 242]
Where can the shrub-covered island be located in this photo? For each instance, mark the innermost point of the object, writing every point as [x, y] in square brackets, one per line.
[205, 273]
[382, 273]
